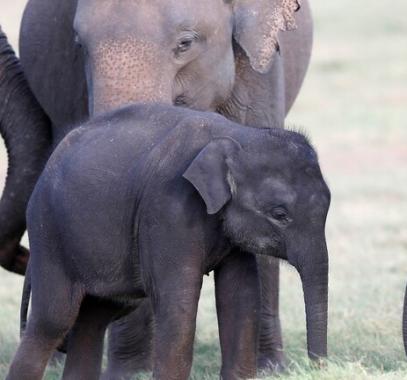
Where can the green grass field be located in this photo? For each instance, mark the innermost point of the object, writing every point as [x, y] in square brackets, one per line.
[354, 106]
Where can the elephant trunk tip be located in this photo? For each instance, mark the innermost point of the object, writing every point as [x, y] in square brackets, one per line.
[315, 286]
[13, 256]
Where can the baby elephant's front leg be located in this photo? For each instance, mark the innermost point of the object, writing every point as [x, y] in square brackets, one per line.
[175, 307]
[238, 308]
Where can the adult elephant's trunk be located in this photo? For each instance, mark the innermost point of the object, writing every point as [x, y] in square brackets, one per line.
[118, 75]
[314, 275]
[27, 134]
[405, 321]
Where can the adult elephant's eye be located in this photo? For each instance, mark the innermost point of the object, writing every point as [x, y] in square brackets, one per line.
[185, 43]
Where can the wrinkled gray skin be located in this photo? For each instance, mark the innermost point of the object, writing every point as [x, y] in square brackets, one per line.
[27, 132]
[208, 55]
[144, 202]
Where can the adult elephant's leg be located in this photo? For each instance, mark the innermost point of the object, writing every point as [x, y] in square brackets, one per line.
[130, 343]
[238, 308]
[271, 353]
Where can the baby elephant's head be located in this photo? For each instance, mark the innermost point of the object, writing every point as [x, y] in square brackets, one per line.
[271, 194]
[273, 201]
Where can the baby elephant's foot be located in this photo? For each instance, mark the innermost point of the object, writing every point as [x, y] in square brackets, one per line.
[271, 363]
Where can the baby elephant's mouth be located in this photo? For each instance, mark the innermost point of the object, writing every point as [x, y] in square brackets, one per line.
[264, 246]
[272, 246]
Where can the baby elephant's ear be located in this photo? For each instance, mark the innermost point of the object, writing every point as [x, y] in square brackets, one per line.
[208, 173]
[256, 27]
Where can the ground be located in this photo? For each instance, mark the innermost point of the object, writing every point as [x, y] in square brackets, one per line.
[354, 107]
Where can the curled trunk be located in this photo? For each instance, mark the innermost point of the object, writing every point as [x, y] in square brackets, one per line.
[26, 130]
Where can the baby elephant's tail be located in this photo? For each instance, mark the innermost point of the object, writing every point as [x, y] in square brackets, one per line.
[405, 321]
[25, 300]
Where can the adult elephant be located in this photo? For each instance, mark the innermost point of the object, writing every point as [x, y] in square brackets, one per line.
[26, 131]
[89, 56]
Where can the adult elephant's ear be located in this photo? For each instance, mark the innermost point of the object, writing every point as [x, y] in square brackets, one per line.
[257, 24]
[210, 175]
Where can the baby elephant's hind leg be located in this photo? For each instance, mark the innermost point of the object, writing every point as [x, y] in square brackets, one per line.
[130, 344]
[85, 346]
[50, 320]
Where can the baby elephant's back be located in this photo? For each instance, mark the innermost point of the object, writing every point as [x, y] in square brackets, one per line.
[87, 196]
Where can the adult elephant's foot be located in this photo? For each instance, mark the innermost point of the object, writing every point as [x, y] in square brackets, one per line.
[14, 257]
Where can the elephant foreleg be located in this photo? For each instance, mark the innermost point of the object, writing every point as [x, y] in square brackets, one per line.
[271, 353]
[238, 304]
[175, 317]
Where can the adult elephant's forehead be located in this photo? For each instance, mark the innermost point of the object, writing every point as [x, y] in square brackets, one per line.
[194, 11]
[99, 18]
[152, 18]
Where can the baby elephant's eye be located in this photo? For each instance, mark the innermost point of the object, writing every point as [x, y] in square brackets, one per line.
[280, 214]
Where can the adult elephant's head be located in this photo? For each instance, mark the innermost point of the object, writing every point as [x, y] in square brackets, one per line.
[174, 51]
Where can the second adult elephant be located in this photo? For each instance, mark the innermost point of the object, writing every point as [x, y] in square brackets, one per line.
[89, 56]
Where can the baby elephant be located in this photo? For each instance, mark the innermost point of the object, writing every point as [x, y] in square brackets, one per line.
[142, 203]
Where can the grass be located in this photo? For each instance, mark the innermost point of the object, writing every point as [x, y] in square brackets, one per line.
[354, 105]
